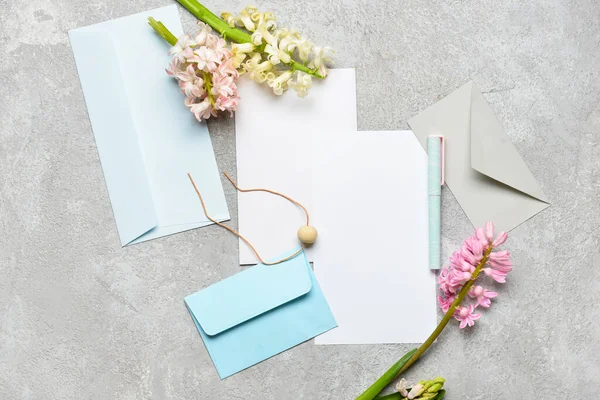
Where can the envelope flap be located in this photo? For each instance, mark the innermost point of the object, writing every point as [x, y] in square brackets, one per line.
[249, 294]
[114, 130]
[492, 152]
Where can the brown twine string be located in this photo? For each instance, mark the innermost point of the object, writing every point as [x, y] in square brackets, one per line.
[237, 233]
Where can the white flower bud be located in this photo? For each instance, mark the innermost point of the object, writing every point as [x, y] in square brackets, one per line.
[279, 83]
[416, 390]
[258, 69]
[245, 18]
[242, 47]
[401, 387]
[229, 18]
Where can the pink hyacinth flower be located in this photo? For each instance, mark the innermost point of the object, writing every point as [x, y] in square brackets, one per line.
[202, 110]
[477, 249]
[203, 34]
[205, 58]
[500, 239]
[445, 302]
[466, 316]
[482, 296]
[500, 259]
[498, 276]
[489, 231]
[204, 71]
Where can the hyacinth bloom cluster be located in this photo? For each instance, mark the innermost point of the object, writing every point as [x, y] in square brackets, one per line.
[478, 254]
[207, 70]
[271, 55]
[424, 390]
[204, 69]
[460, 299]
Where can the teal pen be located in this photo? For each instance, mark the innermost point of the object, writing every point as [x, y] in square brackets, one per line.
[435, 180]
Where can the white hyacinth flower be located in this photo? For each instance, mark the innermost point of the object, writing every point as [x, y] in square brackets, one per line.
[265, 20]
[267, 36]
[401, 387]
[229, 18]
[240, 51]
[243, 47]
[301, 83]
[284, 32]
[246, 18]
[258, 69]
[279, 56]
[275, 55]
[286, 39]
[279, 83]
[322, 57]
[257, 38]
[304, 48]
[288, 44]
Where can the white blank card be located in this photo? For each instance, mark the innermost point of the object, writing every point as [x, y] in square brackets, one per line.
[274, 151]
[371, 257]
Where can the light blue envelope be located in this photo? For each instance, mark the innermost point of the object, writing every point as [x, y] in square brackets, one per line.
[259, 313]
[147, 138]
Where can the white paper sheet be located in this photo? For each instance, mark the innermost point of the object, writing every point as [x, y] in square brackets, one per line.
[274, 151]
[371, 258]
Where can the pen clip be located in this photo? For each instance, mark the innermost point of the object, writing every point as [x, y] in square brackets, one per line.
[443, 157]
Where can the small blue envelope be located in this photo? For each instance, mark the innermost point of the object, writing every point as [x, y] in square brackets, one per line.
[259, 313]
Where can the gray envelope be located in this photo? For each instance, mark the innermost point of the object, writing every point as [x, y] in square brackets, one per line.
[484, 170]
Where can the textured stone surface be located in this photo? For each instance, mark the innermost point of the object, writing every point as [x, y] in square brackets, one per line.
[81, 318]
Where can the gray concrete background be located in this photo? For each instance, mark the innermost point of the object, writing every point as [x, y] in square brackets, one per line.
[82, 318]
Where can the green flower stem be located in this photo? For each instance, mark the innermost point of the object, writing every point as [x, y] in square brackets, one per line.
[162, 31]
[296, 66]
[386, 378]
[234, 34]
[208, 84]
[394, 372]
[218, 24]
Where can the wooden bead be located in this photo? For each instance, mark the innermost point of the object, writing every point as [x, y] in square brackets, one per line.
[307, 234]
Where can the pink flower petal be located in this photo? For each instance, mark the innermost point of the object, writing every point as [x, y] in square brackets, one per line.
[489, 231]
[500, 239]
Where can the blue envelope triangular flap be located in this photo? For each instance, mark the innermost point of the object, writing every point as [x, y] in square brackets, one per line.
[249, 294]
[118, 146]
